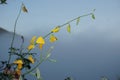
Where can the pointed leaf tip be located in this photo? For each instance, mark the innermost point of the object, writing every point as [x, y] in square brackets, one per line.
[48, 55]
[68, 28]
[52, 60]
[93, 16]
[38, 73]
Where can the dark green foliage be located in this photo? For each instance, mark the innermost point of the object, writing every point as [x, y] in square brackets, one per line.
[68, 78]
[3, 1]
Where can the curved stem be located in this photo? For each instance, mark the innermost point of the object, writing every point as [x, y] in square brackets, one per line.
[68, 23]
[21, 47]
[47, 36]
[14, 33]
[75, 19]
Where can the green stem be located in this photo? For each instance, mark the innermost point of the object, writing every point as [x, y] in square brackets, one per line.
[75, 19]
[48, 35]
[21, 47]
[33, 68]
[68, 23]
[14, 33]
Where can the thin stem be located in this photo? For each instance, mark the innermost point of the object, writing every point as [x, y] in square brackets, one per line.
[21, 47]
[68, 23]
[14, 33]
[33, 68]
[47, 36]
[75, 19]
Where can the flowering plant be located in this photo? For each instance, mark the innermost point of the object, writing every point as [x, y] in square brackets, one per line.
[21, 66]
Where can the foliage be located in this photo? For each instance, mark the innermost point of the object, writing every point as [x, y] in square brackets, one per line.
[21, 66]
[3, 1]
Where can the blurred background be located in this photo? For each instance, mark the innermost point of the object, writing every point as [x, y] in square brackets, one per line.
[90, 51]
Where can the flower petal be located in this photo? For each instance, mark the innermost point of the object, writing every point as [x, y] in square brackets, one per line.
[40, 46]
[52, 38]
[30, 47]
[40, 40]
[33, 40]
[19, 66]
[31, 59]
[56, 29]
[18, 62]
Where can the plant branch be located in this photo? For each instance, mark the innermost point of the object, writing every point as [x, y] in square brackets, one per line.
[75, 19]
[14, 33]
[48, 35]
[68, 23]
[33, 68]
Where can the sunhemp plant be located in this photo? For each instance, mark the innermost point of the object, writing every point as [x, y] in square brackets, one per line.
[21, 66]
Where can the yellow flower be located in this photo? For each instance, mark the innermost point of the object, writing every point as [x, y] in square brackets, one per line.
[30, 47]
[31, 59]
[19, 63]
[32, 42]
[40, 46]
[19, 66]
[52, 38]
[40, 41]
[56, 29]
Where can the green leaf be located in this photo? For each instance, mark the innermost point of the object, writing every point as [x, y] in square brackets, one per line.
[93, 16]
[47, 56]
[33, 74]
[52, 60]
[3, 1]
[38, 73]
[104, 78]
[20, 78]
[40, 79]
[78, 20]
[49, 53]
[68, 28]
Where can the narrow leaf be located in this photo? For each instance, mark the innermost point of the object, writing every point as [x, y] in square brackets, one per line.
[37, 73]
[33, 74]
[78, 20]
[47, 56]
[104, 78]
[68, 28]
[52, 60]
[93, 16]
[20, 78]
[40, 79]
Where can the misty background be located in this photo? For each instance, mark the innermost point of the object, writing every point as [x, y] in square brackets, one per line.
[91, 50]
